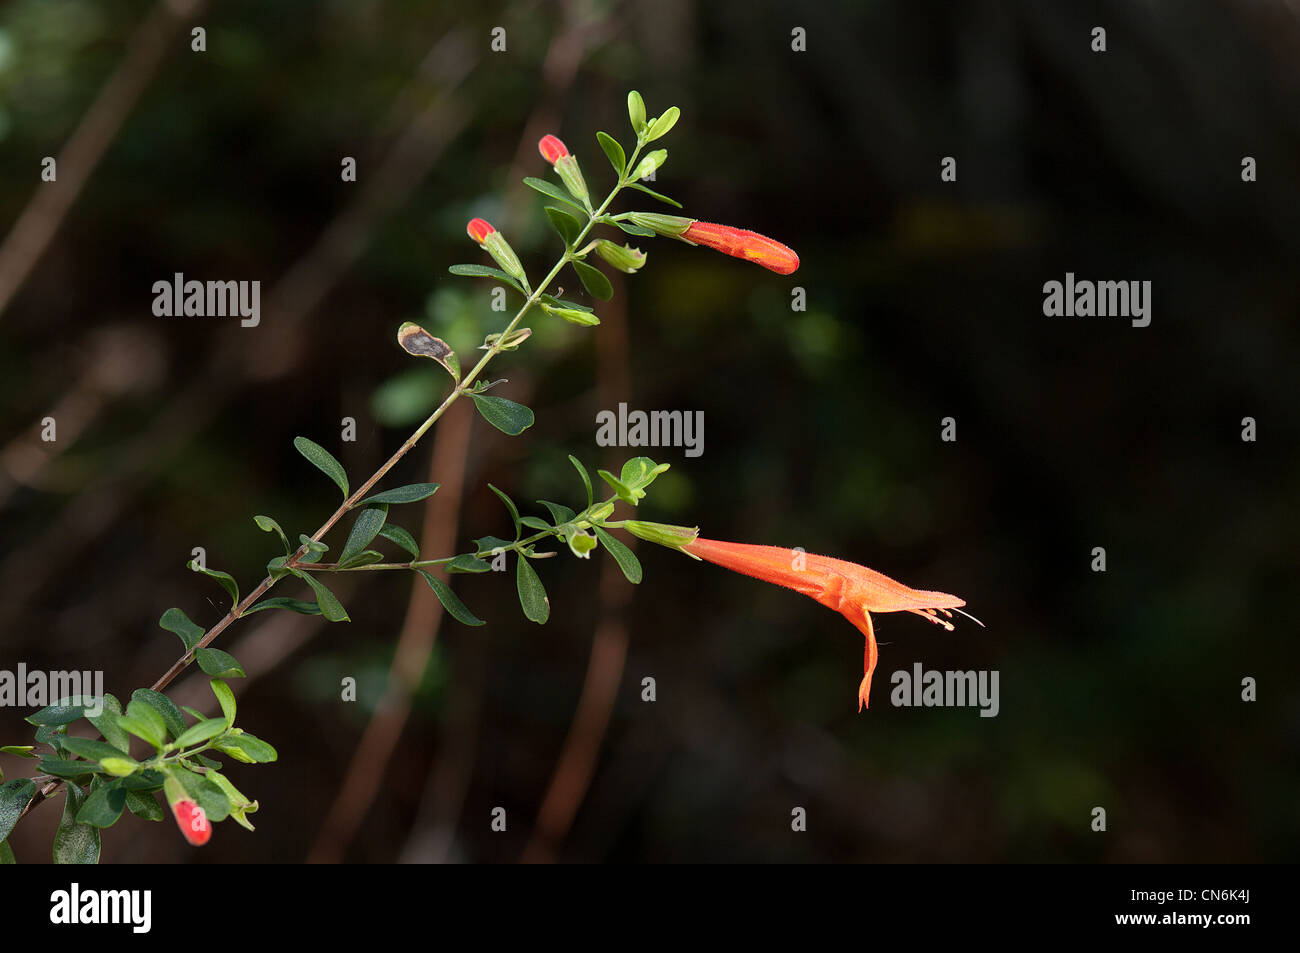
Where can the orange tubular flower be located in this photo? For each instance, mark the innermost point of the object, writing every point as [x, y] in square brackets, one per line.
[741, 243]
[479, 230]
[853, 591]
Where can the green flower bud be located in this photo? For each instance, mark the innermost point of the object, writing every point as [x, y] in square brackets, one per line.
[670, 226]
[674, 537]
[582, 543]
[505, 256]
[573, 315]
[623, 257]
[567, 169]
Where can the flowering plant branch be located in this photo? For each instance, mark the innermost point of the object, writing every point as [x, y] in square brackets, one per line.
[102, 779]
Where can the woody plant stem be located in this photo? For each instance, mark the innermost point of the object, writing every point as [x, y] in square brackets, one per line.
[571, 252]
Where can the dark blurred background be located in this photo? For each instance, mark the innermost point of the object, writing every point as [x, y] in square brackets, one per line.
[822, 429]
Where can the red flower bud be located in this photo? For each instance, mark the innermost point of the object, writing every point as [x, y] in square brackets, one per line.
[193, 822]
[479, 230]
[741, 243]
[552, 149]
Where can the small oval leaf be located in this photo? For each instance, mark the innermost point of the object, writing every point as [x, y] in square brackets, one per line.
[218, 664]
[455, 608]
[594, 281]
[411, 493]
[532, 594]
[324, 461]
[505, 415]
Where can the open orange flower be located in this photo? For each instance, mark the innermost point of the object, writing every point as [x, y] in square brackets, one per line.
[853, 591]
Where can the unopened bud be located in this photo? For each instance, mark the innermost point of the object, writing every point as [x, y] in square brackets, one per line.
[495, 244]
[623, 257]
[671, 226]
[572, 315]
[674, 537]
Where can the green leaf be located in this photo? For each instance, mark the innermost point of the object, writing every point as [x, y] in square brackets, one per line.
[559, 512]
[367, 557]
[624, 492]
[546, 188]
[57, 714]
[120, 767]
[505, 415]
[535, 522]
[367, 526]
[201, 732]
[510, 508]
[104, 806]
[485, 271]
[225, 697]
[20, 751]
[279, 602]
[14, 796]
[246, 748]
[455, 608]
[173, 718]
[50, 735]
[6, 854]
[323, 461]
[61, 768]
[108, 726]
[144, 805]
[92, 749]
[532, 594]
[75, 843]
[175, 620]
[277, 567]
[625, 558]
[633, 229]
[568, 227]
[206, 794]
[330, 607]
[639, 472]
[147, 727]
[594, 281]
[614, 151]
[395, 534]
[149, 779]
[661, 126]
[467, 562]
[218, 664]
[411, 493]
[226, 580]
[313, 545]
[654, 195]
[636, 111]
[268, 525]
[586, 477]
[487, 544]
